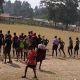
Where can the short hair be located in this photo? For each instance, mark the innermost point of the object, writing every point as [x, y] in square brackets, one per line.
[77, 38]
[69, 37]
[14, 33]
[9, 31]
[55, 36]
[0, 31]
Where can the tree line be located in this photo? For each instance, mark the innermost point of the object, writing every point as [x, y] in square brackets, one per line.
[65, 11]
[18, 8]
[1, 6]
[23, 9]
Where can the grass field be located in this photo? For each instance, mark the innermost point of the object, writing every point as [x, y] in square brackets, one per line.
[52, 68]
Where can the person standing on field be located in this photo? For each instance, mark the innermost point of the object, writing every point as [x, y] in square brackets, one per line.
[7, 48]
[31, 61]
[55, 45]
[61, 48]
[70, 47]
[1, 42]
[76, 48]
[14, 40]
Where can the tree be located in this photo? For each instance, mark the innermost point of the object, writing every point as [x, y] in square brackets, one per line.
[64, 11]
[17, 8]
[1, 6]
[8, 7]
[26, 10]
[40, 12]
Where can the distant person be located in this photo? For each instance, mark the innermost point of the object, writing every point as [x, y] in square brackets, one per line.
[61, 48]
[26, 47]
[21, 47]
[34, 40]
[7, 48]
[55, 45]
[30, 34]
[45, 40]
[21, 44]
[8, 35]
[1, 43]
[76, 48]
[31, 61]
[21, 36]
[14, 40]
[41, 53]
[70, 47]
[39, 39]
[1, 40]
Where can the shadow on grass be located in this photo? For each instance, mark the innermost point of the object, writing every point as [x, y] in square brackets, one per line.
[61, 58]
[48, 72]
[30, 79]
[15, 65]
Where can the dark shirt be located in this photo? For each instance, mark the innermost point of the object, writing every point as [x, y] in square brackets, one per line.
[39, 40]
[70, 43]
[8, 43]
[15, 38]
[1, 38]
[8, 36]
[21, 37]
[77, 43]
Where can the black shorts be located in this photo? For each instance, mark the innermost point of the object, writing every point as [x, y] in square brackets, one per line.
[31, 66]
[14, 45]
[61, 47]
[7, 50]
[76, 48]
[1, 44]
[70, 47]
[41, 54]
[54, 47]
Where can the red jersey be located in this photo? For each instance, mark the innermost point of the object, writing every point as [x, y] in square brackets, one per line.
[31, 57]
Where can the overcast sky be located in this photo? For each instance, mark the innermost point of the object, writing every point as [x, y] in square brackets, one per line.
[32, 2]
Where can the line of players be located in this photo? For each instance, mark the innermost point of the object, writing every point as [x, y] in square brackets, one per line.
[58, 42]
[20, 44]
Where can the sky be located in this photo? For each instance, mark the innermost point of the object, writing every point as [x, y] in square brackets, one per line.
[32, 2]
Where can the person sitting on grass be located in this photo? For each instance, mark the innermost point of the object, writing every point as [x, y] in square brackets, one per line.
[31, 61]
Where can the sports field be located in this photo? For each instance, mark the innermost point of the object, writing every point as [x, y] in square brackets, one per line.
[52, 68]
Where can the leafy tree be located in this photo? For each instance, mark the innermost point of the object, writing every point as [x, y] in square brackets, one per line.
[64, 11]
[17, 8]
[40, 12]
[1, 6]
[26, 10]
[8, 7]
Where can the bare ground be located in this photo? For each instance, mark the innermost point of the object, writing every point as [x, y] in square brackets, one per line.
[52, 68]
